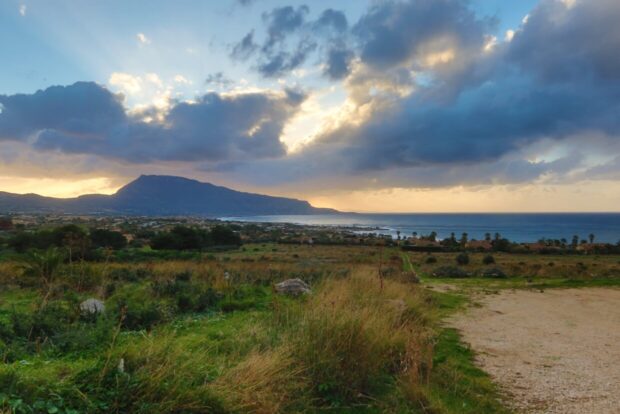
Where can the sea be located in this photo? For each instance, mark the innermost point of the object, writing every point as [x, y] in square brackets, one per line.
[518, 227]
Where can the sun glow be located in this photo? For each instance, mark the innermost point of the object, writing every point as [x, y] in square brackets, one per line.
[57, 187]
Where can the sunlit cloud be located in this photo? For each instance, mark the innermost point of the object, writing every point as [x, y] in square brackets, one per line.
[143, 39]
[23, 9]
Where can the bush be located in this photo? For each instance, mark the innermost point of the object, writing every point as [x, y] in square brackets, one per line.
[462, 259]
[208, 299]
[494, 272]
[431, 260]
[137, 316]
[488, 259]
[450, 272]
[184, 303]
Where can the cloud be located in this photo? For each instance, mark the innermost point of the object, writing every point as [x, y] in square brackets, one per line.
[143, 39]
[218, 80]
[332, 19]
[426, 102]
[282, 21]
[435, 106]
[85, 118]
[23, 9]
[245, 48]
[182, 79]
[338, 62]
[291, 39]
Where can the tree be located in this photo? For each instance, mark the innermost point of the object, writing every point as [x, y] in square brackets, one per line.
[433, 236]
[398, 234]
[224, 235]
[464, 239]
[487, 237]
[107, 238]
[575, 241]
[591, 238]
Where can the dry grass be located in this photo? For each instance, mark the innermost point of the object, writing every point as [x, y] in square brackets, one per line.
[344, 344]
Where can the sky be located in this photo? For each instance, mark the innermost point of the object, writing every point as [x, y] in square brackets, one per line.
[374, 106]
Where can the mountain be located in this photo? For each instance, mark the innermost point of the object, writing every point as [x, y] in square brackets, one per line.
[155, 195]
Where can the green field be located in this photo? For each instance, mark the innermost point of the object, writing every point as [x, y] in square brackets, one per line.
[209, 333]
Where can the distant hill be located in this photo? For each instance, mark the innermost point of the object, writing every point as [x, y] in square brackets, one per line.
[154, 195]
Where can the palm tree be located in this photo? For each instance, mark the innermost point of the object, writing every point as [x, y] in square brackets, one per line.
[591, 237]
[464, 239]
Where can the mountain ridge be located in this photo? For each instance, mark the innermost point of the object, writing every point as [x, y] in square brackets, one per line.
[161, 195]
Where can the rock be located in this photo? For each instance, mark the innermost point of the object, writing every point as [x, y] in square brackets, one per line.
[293, 287]
[92, 306]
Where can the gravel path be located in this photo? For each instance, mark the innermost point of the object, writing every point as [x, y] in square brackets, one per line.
[556, 351]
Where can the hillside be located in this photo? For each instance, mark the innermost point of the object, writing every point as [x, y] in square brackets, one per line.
[152, 195]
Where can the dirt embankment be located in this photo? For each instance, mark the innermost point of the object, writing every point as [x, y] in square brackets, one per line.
[556, 351]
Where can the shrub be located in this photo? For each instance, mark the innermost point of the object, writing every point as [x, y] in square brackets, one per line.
[184, 303]
[431, 260]
[488, 259]
[450, 272]
[140, 315]
[494, 272]
[462, 259]
[208, 299]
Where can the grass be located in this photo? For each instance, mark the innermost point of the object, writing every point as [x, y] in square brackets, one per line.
[209, 334]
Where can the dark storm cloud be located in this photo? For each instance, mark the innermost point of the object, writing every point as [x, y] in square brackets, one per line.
[86, 118]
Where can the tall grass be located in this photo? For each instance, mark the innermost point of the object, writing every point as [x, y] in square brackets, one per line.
[344, 346]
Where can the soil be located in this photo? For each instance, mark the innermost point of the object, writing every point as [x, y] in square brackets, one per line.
[556, 351]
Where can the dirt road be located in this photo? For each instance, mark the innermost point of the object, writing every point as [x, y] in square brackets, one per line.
[556, 351]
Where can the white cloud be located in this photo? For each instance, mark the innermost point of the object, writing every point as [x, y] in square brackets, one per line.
[129, 84]
[510, 34]
[154, 79]
[182, 79]
[22, 9]
[143, 39]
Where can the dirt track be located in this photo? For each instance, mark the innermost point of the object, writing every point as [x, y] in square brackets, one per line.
[552, 352]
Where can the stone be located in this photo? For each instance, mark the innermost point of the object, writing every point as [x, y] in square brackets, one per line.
[92, 306]
[294, 287]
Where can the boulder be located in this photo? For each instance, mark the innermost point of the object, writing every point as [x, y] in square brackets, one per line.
[92, 306]
[294, 287]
